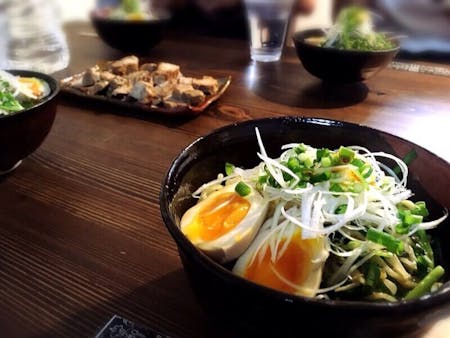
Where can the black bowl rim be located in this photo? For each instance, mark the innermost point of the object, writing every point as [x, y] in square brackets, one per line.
[163, 17]
[402, 306]
[299, 39]
[51, 81]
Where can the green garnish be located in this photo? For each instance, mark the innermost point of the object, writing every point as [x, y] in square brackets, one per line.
[426, 284]
[243, 189]
[229, 168]
[391, 243]
[8, 103]
[354, 30]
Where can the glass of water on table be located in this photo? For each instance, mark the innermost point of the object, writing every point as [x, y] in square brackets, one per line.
[268, 21]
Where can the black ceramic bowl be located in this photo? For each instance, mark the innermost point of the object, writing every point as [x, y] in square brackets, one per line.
[130, 36]
[259, 311]
[23, 132]
[337, 65]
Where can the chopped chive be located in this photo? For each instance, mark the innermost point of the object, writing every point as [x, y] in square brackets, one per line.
[388, 241]
[402, 228]
[357, 162]
[366, 170]
[321, 177]
[424, 242]
[293, 164]
[229, 168]
[325, 161]
[346, 155]
[420, 208]
[372, 275]
[411, 219]
[341, 209]
[426, 283]
[335, 187]
[321, 153]
[243, 189]
[301, 148]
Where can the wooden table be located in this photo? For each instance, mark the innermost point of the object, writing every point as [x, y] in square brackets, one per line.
[81, 236]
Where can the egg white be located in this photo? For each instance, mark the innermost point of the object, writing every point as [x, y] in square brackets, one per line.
[232, 244]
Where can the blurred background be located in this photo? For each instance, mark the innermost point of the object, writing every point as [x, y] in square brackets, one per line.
[424, 25]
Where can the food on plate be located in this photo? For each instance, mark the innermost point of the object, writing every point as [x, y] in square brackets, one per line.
[159, 84]
[128, 10]
[18, 93]
[333, 223]
[354, 30]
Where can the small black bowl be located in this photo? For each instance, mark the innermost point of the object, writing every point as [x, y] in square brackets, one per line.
[258, 311]
[21, 133]
[130, 36]
[339, 65]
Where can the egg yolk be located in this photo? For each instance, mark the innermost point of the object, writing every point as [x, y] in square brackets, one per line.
[217, 216]
[293, 265]
[32, 84]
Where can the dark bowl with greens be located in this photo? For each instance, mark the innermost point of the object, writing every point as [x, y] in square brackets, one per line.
[340, 65]
[250, 308]
[349, 51]
[28, 102]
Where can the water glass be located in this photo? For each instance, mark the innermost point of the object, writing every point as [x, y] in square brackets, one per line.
[35, 37]
[268, 21]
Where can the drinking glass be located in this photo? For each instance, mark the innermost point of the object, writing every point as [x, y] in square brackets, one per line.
[268, 21]
[35, 37]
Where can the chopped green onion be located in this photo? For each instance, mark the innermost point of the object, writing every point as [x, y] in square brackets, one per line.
[325, 161]
[335, 187]
[388, 241]
[293, 164]
[372, 275]
[424, 242]
[420, 208]
[366, 170]
[229, 168]
[411, 219]
[341, 209]
[243, 189]
[301, 148]
[426, 283]
[357, 162]
[321, 177]
[346, 155]
[324, 152]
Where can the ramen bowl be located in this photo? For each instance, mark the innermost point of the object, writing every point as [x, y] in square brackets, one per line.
[130, 36]
[21, 133]
[256, 310]
[339, 65]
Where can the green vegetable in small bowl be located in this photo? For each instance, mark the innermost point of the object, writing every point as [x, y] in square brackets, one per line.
[354, 30]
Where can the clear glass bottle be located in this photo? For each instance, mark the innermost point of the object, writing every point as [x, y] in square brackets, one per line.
[36, 40]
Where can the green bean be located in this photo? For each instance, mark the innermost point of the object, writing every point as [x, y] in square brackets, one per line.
[425, 284]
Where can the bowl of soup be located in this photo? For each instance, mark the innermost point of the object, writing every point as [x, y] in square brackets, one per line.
[291, 225]
[351, 50]
[136, 33]
[27, 112]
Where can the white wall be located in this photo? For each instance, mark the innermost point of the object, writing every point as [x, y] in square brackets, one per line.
[75, 9]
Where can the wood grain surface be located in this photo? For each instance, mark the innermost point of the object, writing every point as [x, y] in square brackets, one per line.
[81, 236]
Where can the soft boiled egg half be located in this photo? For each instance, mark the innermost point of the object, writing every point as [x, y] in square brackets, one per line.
[281, 259]
[224, 223]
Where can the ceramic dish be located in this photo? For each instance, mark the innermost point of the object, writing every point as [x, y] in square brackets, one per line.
[339, 65]
[260, 311]
[21, 133]
[188, 110]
